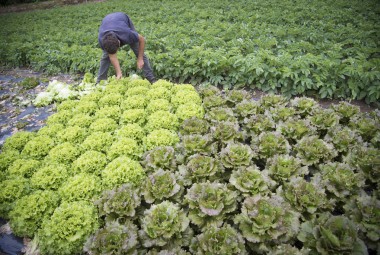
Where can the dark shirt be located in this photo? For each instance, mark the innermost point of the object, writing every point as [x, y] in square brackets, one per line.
[120, 24]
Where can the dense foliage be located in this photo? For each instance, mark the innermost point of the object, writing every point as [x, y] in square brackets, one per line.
[275, 176]
[327, 48]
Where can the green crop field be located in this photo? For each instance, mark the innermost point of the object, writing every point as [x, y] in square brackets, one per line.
[329, 49]
[182, 167]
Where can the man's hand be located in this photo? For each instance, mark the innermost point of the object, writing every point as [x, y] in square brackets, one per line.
[140, 63]
[116, 65]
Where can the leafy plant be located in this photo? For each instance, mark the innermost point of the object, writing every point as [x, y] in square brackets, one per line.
[133, 131]
[72, 134]
[203, 144]
[340, 180]
[162, 157]
[311, 150]
[68, 228]
[162, 120]
[364, 211]
[64, 153]
[103, 125]
[188, 110]
[282, 168]
[218, 114]
[22, 168]
[125, 146]
[330, 234]
[225, 132]
[236, 155]
[30, 210]
[49, 176]
[265, 221]
[159, 186]
[200, 168]
[82, 186]
[122, 170]
[18, 141]
[113, 238]
[161, 137]
[119, 202]
[12, 189]
[98, 141]
[214, 100]
[194, 125]
[268, 144]
[246, 108]
[218, 240]
[133, 116]
[92, 162]
[209, 203]
[162, 223]
[158, 105]
[251, 181]
[38, 147]
[306, 197]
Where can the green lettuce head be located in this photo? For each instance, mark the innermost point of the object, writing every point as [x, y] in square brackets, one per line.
[160, 157]
[114, 238]
[236, 155]
[364, 210]
[202, 144]
[92, 162]
[119, 202]
[268, 144]
[162, 120]
[306, 197]
[159, 186]
[311, 150]
[161, 137]
[236, 96]
[79, 187]
[225, 132]
[266, 221]
[251, 181]
[209, 203]
[340, 180]
[282, 168]
[30, 210]
[122, 170]
[194, 125]
[212, 101]
[224, 240]
[329, 235]
[162, 224]
[17, 141]
[200, 168]
[65, 232]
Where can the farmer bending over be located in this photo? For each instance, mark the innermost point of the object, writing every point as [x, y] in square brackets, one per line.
[115, 31]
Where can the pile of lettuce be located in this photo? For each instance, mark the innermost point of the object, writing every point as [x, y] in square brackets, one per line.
[136, 168]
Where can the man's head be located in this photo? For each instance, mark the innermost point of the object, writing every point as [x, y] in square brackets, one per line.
[110, 43]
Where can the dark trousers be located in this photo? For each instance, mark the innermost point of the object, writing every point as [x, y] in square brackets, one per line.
[105, 64]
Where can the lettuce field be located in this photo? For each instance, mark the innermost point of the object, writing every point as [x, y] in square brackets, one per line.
[194, 163]
[328, 49]
[135, 168]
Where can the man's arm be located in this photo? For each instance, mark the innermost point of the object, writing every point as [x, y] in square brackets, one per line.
[116, 65]
[140, 60]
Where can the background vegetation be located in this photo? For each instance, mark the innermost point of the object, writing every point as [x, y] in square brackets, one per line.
[326, 48]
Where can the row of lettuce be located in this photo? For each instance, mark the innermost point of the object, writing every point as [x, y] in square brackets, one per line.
[329, 49]
[135, 168]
